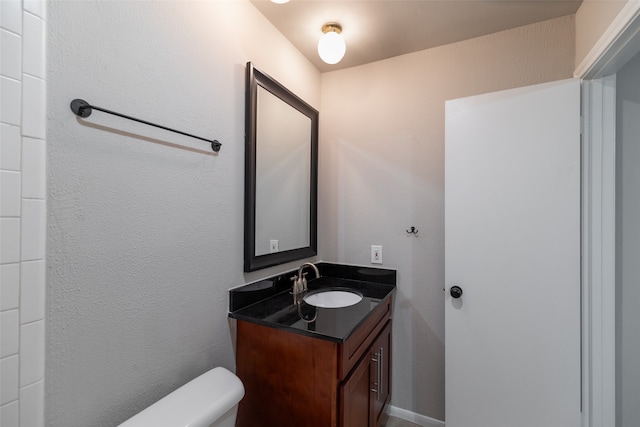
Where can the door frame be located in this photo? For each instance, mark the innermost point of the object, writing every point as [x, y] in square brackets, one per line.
[618, 44]
[598, 252]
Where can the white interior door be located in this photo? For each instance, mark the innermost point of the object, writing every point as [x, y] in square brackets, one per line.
[512, 202]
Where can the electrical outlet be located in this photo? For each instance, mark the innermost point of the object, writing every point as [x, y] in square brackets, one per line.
[273, 246]
[376, 254]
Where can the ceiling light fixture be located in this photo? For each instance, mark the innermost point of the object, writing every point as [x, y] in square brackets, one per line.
[280, 1]
[331, 46]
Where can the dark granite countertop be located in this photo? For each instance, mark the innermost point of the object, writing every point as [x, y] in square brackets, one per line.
[270, 303]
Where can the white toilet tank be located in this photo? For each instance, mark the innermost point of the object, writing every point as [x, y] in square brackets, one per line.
[210, 400]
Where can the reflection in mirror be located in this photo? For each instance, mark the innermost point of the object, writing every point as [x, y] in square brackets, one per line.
[281, 174]
[283, 167]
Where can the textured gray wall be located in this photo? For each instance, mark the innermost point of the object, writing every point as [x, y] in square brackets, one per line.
[144, 238]
[628, 245]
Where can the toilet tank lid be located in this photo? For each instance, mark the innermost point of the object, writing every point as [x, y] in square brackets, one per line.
[198, 403]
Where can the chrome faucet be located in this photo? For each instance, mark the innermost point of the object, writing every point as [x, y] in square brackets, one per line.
[300, 281]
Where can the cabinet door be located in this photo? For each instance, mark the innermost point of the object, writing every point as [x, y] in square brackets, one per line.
[381, 367]
[356, 408]
[366, 392]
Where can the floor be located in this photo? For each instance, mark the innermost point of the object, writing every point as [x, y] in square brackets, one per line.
[397, 422]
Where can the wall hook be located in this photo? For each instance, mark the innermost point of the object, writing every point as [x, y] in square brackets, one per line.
[413, 231]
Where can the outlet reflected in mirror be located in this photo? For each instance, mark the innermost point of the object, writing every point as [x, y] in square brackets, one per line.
[283, 175]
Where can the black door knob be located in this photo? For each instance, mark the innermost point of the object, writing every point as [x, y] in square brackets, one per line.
[455, 291]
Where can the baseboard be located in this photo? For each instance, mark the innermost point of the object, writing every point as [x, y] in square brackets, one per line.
[412, 417]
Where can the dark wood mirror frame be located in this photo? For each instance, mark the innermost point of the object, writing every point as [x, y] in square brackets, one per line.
[252, 262]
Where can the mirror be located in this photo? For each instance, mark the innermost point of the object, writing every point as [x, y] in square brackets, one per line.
[281, 174]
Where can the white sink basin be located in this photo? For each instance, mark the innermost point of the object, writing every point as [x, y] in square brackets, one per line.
[333, 298]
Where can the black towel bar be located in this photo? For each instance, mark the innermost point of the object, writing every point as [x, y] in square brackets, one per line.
[83, 109]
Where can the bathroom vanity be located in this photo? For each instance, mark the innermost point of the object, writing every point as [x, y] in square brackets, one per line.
[307, 366]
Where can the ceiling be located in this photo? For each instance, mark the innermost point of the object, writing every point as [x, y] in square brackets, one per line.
[380, 29]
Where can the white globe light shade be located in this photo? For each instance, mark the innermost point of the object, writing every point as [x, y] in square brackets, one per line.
[331, 47]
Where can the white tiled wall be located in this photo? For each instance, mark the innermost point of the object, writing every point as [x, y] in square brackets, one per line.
[22, 212]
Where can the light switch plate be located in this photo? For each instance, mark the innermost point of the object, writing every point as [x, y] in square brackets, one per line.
[376, 254]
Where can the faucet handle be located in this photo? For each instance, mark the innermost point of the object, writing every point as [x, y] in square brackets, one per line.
[298, 285]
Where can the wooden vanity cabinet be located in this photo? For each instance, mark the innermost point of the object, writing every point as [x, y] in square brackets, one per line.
[299, 380]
